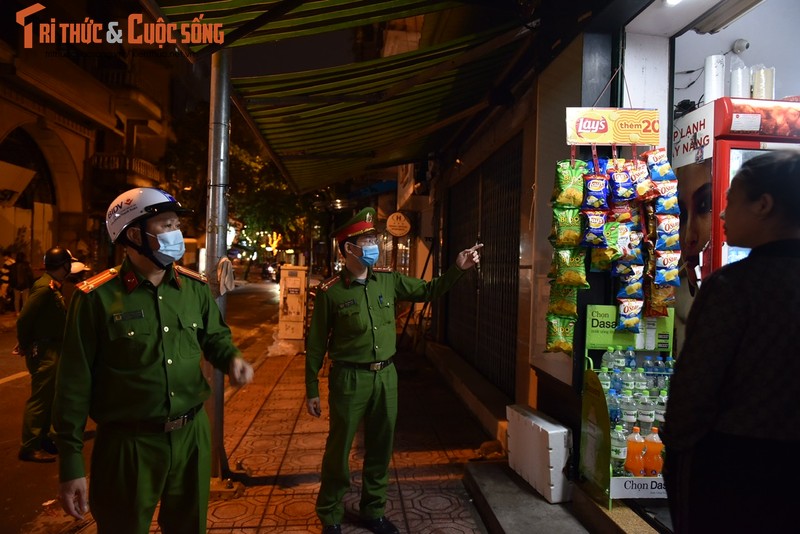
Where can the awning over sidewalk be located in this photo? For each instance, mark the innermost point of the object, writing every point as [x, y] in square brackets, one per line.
[327, 125]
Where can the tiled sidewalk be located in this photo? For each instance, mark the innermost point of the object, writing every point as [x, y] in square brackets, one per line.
[280, 447]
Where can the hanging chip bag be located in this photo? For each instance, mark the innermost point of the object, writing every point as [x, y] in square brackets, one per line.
[560, 334]
[630, 315]
[568, 190]
[667, 202]
[667, 227]
[594, 236]
[563, 300]
[571, 267]
[631, 283]
[566, 230]
[595, 195]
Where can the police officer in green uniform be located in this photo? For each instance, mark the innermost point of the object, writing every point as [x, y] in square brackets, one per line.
[40, 329]
[131, 361]
[354, 322]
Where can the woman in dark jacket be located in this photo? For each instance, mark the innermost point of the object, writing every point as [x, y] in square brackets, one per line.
[732, 424]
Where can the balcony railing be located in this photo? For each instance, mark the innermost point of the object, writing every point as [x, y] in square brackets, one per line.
[127, 165]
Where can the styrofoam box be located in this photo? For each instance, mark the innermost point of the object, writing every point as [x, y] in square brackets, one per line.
[538, 450]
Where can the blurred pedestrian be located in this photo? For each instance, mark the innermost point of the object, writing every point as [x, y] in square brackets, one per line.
[21, 281]
[733, 404]
[132, 353]
[40, 330]
[5, 285]
[354, 322]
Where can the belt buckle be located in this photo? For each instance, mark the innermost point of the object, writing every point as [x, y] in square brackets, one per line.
[376, 366]
[175, 424]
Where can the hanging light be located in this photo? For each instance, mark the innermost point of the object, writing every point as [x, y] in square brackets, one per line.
[723, 15]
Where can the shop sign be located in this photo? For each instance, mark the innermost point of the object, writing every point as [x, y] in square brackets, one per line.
[637, 488]
[601, 333]
[398, 224]
[608, 126]
[692, 137]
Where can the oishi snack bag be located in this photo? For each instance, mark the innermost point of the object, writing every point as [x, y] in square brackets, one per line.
[630, 315]
[667, 232]
[568, 189]
[640, 176]
[563, 300]
[560, 333]
[571, 264]
[566, 230]
[667, 202]
[631, 286]
[667, 267]
[659, 166]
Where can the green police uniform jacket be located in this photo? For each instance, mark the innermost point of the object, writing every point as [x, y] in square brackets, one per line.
[355, 322]
[42, 319]
[132, 351]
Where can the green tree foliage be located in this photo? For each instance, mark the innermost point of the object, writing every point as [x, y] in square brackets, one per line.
[258, 197]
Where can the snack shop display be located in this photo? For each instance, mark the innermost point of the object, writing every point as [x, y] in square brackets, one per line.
[624, 215]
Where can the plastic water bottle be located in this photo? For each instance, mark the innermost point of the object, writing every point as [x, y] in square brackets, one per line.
[628, 381]
[661, 372]
[669, 366]
[605, 379]
[629, 410]
[614, 412]
[616, 379]
[645, 414]
[640, 383]
[653, 462]
[619, 357]
[634, 460]
[619, 451]
[608, 361]
[648, 371]
[661, 408]
[630, 358]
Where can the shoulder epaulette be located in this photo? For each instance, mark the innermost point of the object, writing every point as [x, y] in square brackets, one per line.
[381, 270]
[87, 286]
[324, 286]
[191, 274]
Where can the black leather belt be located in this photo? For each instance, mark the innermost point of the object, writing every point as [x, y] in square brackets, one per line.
[156, 428]
[374, 366]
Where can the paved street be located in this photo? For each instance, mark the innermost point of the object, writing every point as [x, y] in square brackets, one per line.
[279, 446]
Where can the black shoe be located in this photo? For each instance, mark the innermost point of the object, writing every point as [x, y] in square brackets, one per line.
[41, 457]
[332, 529]
[49, 446]
[380, 525]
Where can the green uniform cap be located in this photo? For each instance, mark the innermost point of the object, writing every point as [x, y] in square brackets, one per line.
[361, 223]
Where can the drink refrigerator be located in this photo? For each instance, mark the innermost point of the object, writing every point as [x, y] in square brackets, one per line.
[728, 132]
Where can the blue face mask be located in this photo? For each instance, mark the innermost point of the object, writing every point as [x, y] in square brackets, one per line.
[170, 247]
[369, 255]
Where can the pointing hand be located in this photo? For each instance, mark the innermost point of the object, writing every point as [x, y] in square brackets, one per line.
[468, 258]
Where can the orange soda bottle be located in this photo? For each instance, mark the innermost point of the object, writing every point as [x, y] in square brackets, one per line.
[634, 462]
[653, 462]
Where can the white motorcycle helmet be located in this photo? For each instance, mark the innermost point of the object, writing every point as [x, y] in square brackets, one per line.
[138, 204]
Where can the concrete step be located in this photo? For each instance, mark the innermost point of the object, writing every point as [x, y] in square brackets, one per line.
[509, 505]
